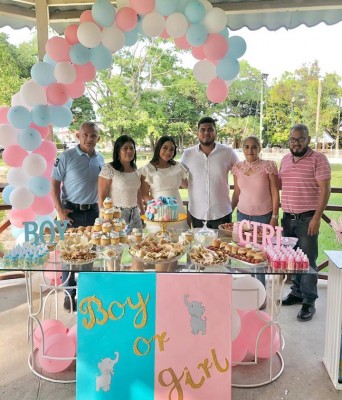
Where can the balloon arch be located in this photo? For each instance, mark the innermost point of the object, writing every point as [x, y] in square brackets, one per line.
[71, 61]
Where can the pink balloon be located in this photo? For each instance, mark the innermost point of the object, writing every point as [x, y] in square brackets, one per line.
[198, 52]
[47, 149]
[75, 89]
[239, 349]
[182, 43]
[126, 19]
[70, 34]
[43, 205]
[43, 130]
[267, 351]
[56, 94]
[72, 333]
[17, 217]
[217, 90]
[142, 7]
[215, 47]
[14, 155]
[164, 35]
[48, 172]
[87, 16]
[58, 49]
[49, 327]
[85, 72]
[57, 345]
[3, 115]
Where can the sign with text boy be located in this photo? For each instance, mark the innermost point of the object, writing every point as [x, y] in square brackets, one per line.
[145, 336]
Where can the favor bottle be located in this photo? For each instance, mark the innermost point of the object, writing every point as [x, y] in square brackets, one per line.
[235, 234]
[305, 262]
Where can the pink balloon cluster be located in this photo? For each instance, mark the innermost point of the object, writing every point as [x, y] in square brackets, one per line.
[254, 334]
[56, 345]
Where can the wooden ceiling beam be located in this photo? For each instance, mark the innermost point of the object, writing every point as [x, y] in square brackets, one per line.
[42, 26]
[22, 13]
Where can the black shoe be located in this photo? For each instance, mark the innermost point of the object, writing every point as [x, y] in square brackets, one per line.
[291, 299]
[67, 305]
[306, 312]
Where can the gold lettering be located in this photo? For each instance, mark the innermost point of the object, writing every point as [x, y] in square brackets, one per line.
[161, 340]
[120, 306]
[145, 341]
[189, 380]
[205, 365]
[86, 307]
[142, 304]
[217, 365]
[175, 382]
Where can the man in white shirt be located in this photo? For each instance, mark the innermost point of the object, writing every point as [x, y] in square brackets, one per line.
[208, 164]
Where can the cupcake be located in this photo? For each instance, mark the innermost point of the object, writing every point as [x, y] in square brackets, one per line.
[117, 212]
[98, 225]
[138, 235]
[96, 238]
[105, 239]
[123, 223]
[117, 226]
[106, 227]
[123, 237]
[107, 203]
[114, 238]
[102, 212]
[108, 214]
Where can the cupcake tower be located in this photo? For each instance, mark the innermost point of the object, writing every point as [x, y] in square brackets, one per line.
[109, 228]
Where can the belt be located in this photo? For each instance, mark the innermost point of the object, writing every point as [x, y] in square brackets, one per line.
[305, 214]
[80, 207]
[127, 208]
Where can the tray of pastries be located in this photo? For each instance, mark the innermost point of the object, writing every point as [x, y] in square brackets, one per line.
[208, 256]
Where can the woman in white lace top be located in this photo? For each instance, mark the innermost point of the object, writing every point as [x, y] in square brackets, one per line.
[121, 181]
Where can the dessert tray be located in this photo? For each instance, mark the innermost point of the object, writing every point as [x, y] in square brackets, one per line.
[78, 257]
[228, 230]
[208, 257]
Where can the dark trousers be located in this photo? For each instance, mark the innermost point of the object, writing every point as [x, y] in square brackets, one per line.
[80, 218]
[212, 224]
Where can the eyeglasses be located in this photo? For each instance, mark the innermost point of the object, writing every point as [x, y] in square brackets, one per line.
[301, 139]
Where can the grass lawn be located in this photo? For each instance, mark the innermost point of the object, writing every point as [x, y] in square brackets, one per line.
[327, 239]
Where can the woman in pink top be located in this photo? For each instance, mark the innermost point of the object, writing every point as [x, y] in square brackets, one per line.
[256, 193]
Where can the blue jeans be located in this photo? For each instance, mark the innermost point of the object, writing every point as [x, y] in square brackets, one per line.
[263, 219]
[304, 286]
[80, 218]
[132, 218]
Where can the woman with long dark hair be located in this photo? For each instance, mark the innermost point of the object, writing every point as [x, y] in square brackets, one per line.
[163, 176]
[120, 181]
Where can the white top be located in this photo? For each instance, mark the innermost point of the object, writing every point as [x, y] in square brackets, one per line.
[166, 182]
[124, 186]
[208, 181]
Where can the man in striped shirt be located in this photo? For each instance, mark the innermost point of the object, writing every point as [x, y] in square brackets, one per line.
[304, 177]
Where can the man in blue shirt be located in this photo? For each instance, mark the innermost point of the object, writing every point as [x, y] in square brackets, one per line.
[74, 189]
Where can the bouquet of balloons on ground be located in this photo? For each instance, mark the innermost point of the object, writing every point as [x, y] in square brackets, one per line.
[337, 227]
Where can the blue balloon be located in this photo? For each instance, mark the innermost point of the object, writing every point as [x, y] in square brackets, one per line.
[103, 13]
[131, 37]
[194, 11]
[41, 115]
[196, 34]
[42, 73]
[19, 117]
[182, 5]
[139, 26]
[49, 60]
[61, 116]
[79, 54]
[6, 194]
[227, 68]
[101, 57]
[16, 231]
[39, 186]
[225, 32]
[69, 103]
[166, 7]
[236, 46]
[29, 139]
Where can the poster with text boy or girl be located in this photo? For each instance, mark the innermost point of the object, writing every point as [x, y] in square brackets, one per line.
[145, 336]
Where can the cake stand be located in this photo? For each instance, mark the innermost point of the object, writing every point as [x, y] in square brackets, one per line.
[164, 224]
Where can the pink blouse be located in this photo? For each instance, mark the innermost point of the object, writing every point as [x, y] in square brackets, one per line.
[255, 192]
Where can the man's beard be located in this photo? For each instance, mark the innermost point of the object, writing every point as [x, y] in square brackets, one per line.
[207, 143]
[299, 153]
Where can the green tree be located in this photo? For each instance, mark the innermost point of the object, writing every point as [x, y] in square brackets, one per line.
[82, 110]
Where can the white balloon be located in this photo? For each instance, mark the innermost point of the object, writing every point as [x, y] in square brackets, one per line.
[17, 100]
[8, 135]
[215, 20]
[65, 73]
[176, 25]
[17, 177]
[153, 24]
[248, 293]
[34, 164]
[21, 197]
[113, 38]
[37, 278]
[207, 5]
[236, 323]
[89, 34]
[33, 94]
[204, 71]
